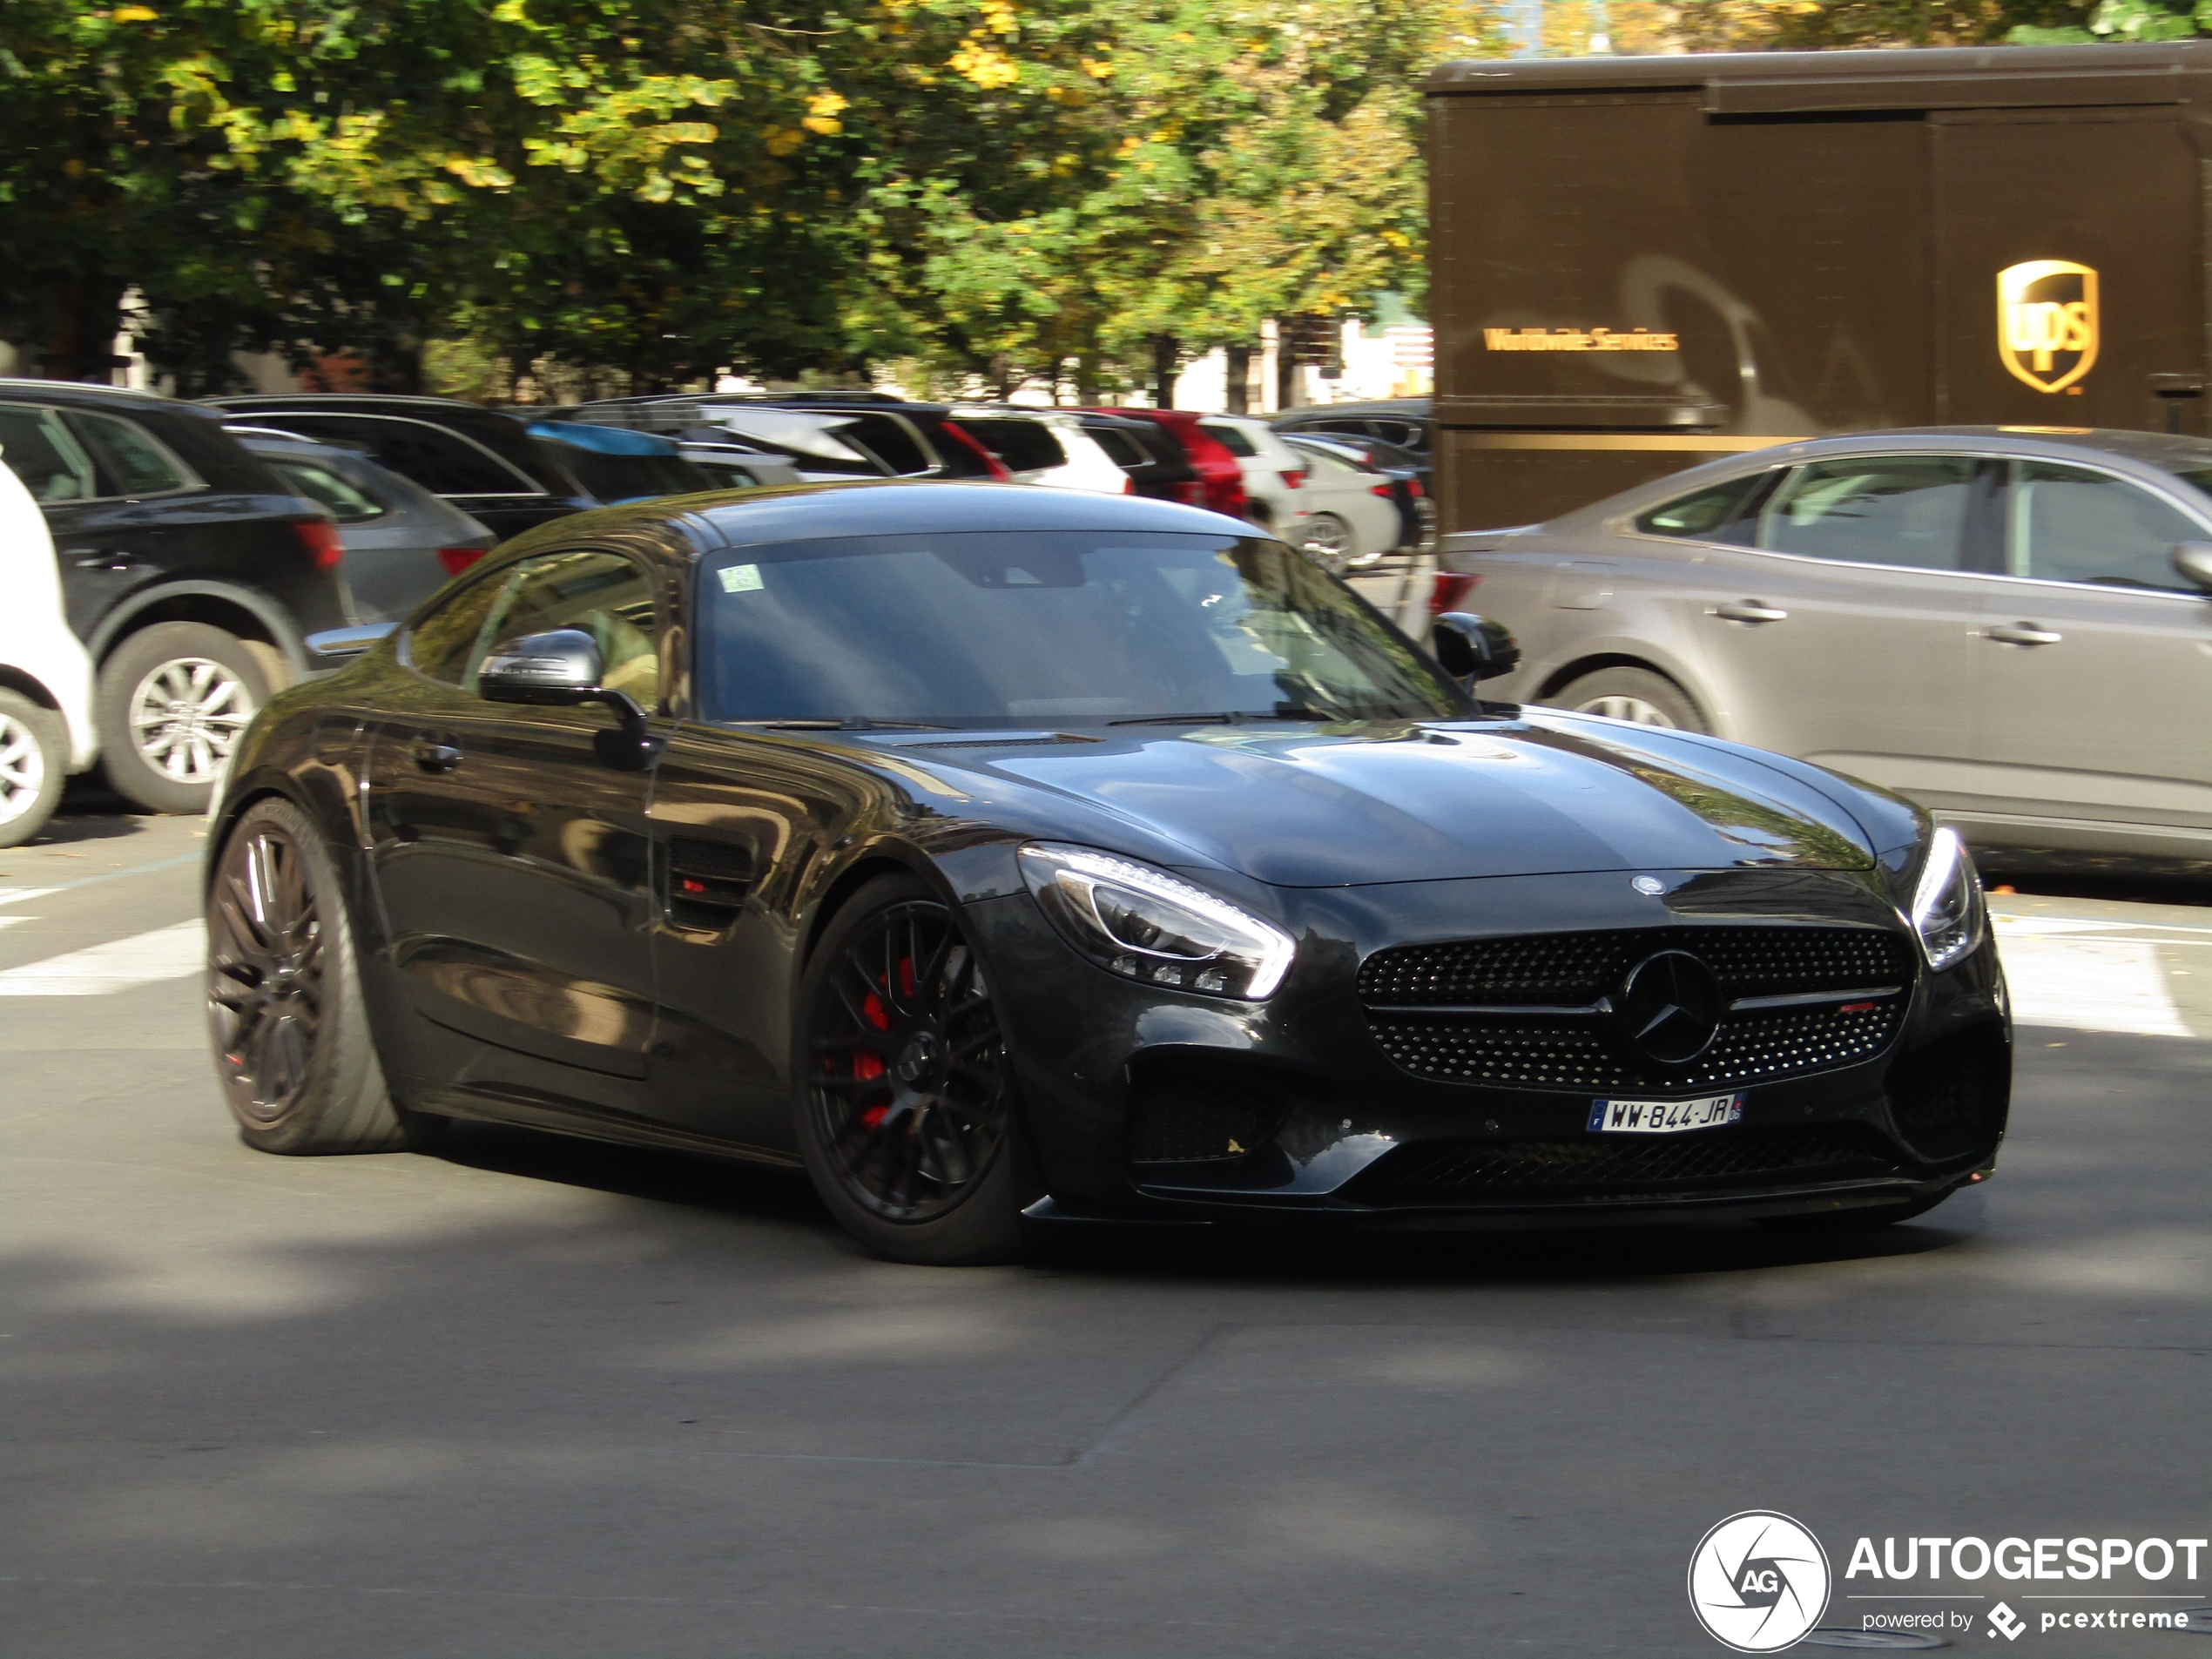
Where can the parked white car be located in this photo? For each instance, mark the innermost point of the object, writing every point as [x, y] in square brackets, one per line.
[46, 729]
[1352, 513]
[1274, 473]
[1045, 447]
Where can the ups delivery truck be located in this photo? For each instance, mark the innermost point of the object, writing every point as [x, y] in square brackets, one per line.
[1642, 263]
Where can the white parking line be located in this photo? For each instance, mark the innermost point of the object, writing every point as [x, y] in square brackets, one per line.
[2062, 978]
[166, 953]
[20, 895]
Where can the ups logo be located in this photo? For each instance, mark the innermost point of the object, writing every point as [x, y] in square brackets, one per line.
[2047, 322]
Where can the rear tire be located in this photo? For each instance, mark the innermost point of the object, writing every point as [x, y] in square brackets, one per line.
[34, 760]
[1638, 695]
[903, 1096]
[173, 701]
[294, 1052]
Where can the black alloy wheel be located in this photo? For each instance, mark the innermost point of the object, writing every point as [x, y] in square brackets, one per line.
[292, 1049]
[906, 1101]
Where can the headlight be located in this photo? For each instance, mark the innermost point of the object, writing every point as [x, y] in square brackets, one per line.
[1948, 910]
[1147, 924]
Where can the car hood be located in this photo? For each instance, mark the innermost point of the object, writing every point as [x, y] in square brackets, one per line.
[1379, 802]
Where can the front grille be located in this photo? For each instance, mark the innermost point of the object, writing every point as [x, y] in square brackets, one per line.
[1601, 1166]
[1189, 1115]
[1562, 968]
[1542, 1048]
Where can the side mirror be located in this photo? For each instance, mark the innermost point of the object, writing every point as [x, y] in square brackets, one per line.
[1473, 648]
[2194, 561]
[560, 669]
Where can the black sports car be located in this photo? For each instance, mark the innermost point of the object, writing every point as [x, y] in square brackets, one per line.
[999, 853]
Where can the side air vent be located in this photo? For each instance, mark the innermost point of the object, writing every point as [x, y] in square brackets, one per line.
[707, 883]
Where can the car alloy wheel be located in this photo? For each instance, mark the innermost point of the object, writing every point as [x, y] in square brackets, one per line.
[265, 972]
[34, 756]
[186, 717]
[23, 767]
[908, 1072]
[1330, 542]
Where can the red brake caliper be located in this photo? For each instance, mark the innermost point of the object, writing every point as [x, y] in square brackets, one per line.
[868, 1064]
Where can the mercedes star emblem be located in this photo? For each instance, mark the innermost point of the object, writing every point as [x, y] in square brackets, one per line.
[1670, 1008]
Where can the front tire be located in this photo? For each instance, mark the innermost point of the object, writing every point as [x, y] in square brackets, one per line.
[173, 700]
[33, 759]
[294, 1052]
[905, 1095]
[1633, 694]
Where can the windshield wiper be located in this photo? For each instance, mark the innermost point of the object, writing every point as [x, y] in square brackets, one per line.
[1231, 717]
[847, 723]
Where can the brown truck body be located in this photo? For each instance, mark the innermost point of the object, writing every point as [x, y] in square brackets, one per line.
[1640, 264]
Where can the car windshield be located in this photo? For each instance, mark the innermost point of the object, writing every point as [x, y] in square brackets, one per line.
[1015, 628]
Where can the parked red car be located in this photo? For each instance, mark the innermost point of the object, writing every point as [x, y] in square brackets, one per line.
[1221, 481]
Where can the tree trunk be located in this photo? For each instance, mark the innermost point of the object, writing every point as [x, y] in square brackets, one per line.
[1166, 348]
[1239, 394]
[1288, 381]
[1087, 380]
[83, 320]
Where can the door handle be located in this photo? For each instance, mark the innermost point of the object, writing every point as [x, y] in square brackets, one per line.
[113, 559]
[437, 756]
[2024, 633]
[1749, 610]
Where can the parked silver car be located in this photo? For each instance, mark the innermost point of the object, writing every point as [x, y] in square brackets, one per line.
[2013, 626]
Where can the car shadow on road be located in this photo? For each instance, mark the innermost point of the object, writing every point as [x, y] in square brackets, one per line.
[1278, 1257]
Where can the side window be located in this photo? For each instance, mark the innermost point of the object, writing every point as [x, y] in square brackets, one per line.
[1719, 513]
[443, 462]
[605, 595]
[888, 441]
[1905, 510]
[1229, 437]
[1326, 464]
[1120, 447]
[1404, 434]
[448, 643]
[1024, 446]
[130, 462]
[347, 505]
[2071, 524]
[39, 450]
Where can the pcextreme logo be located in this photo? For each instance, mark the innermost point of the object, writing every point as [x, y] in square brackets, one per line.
[1758, 1582]
[2047, 322]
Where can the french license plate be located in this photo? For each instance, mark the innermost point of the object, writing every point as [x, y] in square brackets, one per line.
[1664, 1116]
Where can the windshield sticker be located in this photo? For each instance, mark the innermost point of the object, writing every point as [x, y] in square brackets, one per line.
[741, 579]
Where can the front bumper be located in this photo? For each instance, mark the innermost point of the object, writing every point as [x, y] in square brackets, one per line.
[1146, 1104]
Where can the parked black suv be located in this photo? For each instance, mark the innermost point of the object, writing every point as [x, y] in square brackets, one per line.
[190, 572]
[483, 462]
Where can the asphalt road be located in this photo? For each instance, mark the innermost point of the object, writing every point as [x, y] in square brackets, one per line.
[537, 1398]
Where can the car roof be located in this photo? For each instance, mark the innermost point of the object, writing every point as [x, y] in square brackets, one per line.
[2149, 454]
[431, 408]
[1417, 408]
[900, 507]
[78, 393]
[2168, 450]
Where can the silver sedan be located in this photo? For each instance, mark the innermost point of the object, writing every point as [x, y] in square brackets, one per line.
[2013, 627]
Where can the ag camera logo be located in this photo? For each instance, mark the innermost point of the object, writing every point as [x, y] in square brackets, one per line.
[1758, 1582]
